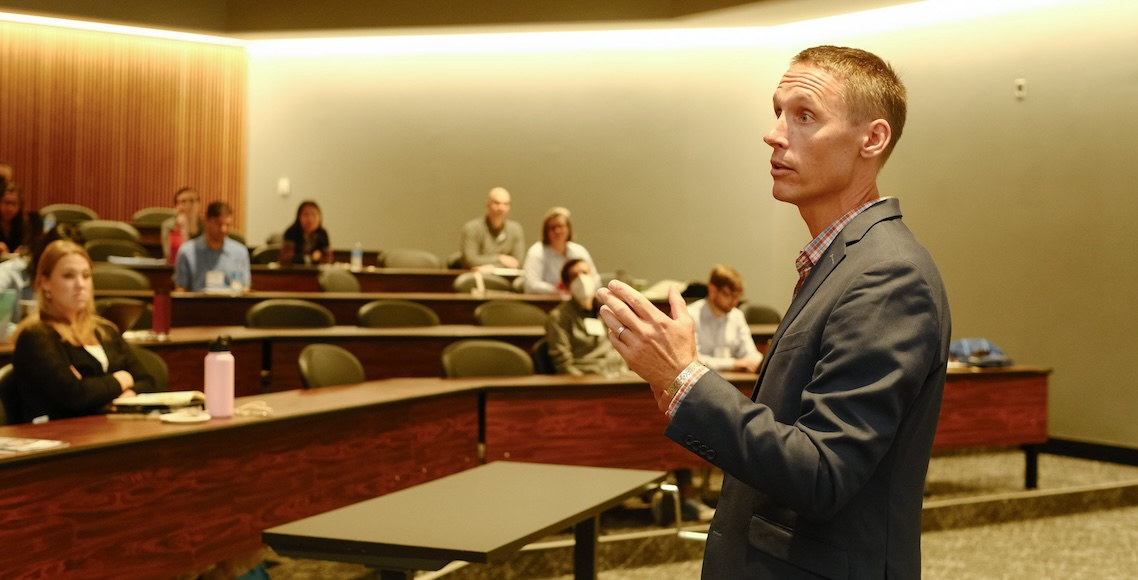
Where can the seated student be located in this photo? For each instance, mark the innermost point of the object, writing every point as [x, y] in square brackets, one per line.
[185, 225]
[306, 240]
[68, 361]
[213, 260]
[13, 220]
[17, 272]
[493, 241]
[722, 334]
[578, 340]
[544, 259]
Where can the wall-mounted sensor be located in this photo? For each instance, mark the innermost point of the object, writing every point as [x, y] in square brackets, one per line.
[1020, 89]
[283, 187]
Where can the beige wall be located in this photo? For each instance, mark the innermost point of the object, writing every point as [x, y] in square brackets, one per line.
[1026, 204]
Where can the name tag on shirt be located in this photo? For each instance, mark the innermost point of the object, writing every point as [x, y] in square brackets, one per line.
[594, 327]
[215, 279]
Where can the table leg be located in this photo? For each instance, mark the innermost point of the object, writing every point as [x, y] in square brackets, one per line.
[1031, 466]
[585, 549]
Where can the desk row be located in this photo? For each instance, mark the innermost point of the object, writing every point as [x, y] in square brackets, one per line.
[180, 497]
[308, 278]
[267, 358]
[201, 309]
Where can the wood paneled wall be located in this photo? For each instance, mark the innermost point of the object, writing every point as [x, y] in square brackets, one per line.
[117, 122]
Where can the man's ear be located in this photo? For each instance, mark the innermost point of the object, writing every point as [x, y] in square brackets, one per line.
[877, 138]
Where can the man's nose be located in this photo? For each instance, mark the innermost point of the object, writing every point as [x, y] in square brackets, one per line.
[776, 136]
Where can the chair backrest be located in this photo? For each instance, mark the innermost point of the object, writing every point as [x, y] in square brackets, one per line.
[155, 366]
[266, 254]
[288, 313]
[509, 313]
[411, 258]
[102, 248]
[454, 261]
[9, 397]
[761, 314]
[112, 277]
[69, 213]
[468, 281]
[485, 358]
[337, 280]
[393, 313]
[327, 365]
[542, 360]
[124, 312]
[108, 230]
[152, 216]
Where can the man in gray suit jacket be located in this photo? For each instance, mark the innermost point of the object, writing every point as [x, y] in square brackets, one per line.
[826, 461]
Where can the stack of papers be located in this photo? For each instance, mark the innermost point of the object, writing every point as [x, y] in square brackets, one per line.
[10, 445]
[169, 401]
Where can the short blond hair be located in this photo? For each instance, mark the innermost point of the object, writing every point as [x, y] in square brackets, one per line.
[870, 87]
[725, 277]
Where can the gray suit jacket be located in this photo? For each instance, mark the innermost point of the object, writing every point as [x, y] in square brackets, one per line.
[826, 463]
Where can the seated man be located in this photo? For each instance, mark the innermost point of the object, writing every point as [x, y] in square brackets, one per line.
[493, 241]
[721, 332]
[213, 261]
[578, 340]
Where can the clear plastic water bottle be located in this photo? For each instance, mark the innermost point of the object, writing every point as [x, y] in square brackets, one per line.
[357, 257]
[219, 367]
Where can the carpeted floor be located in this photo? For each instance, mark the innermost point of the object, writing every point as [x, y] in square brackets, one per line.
[1082, 522]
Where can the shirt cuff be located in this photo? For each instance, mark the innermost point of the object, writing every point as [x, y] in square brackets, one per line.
[682, 384]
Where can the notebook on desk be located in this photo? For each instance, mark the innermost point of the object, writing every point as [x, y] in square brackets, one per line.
[162, 402]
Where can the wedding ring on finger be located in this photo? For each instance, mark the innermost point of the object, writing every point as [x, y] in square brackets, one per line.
[619, 331]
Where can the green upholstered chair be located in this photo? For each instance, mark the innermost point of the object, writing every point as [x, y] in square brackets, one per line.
[485, 358]
[327, 365]
[509, 313]
[394, 313]
[288, 313]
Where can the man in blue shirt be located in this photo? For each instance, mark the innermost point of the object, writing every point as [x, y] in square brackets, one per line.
[213, 260]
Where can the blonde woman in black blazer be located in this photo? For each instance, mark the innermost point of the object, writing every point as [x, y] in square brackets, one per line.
[68, 361]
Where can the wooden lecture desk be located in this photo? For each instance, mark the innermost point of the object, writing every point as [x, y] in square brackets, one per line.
[266, 358]
[996, 407]
[481, 515]
[142, 498]
[604, 422]
[304, 278]
[147, 499]
[202, 309]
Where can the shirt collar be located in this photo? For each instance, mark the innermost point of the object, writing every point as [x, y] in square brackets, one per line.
[818, 246]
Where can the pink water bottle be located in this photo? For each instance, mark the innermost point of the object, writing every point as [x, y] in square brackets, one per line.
[219, 378]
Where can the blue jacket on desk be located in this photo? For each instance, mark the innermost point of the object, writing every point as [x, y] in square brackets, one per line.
[843, 417]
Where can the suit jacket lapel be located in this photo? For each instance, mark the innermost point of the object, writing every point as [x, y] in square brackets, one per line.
[850, 235]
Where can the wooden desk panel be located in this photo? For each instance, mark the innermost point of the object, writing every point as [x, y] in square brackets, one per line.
[589, 421]
[199, 309]
[304, 278]
[384, 352]
[389, 356]
[993, 407]
[143, 499]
